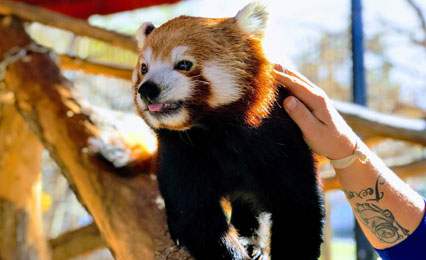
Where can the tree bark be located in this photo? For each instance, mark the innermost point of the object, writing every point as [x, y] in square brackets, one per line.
[416, 168]
[77, 243]
[369, 123]
[125, 209]
[77, 26]
[21, 233]
[74, 63]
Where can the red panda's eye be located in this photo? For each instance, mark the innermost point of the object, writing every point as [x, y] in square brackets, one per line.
[144, 69]
[183, 65]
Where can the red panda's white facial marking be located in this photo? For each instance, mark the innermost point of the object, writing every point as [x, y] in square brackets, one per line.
[179, 54]
[146, 58]
[167, 109]
[226, 88]
[168, 121]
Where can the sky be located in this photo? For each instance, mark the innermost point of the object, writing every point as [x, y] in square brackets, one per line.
[294, 25]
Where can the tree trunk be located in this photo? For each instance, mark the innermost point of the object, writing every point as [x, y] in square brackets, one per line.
[21, 233]
[124, 208]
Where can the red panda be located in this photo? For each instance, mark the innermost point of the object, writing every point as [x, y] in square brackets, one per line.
[206, 88]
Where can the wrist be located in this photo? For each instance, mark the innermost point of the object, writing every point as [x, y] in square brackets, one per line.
[359, 173]
[357, 154]
[345, 146]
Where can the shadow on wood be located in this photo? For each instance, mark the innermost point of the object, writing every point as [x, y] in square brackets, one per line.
[21, 233]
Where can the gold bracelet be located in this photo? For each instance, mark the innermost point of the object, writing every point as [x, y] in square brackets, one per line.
[349, 160]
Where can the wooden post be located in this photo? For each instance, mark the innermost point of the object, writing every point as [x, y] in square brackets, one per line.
[364, 249]
[125, 209]
[21, 233]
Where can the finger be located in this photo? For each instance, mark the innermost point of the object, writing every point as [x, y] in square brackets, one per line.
[300, 89]
[299, 76]
[279, 67]
[302, 116]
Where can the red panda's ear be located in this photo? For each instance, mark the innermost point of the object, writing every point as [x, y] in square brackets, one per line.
[252, 19]
[144, 30]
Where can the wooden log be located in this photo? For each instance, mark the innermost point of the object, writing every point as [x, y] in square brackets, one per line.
[21, 233]
[126, 209]
[74, 63]
[369, 123]
[330, 183]
[415, 168]
[403, 171]
[77, 243]
[80, 27]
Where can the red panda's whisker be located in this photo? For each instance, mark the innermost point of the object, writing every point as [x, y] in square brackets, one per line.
[202, 81]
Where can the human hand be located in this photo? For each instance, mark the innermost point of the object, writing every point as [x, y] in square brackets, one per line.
[324, 130]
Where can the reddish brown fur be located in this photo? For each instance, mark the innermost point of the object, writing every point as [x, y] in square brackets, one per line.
[264, 91]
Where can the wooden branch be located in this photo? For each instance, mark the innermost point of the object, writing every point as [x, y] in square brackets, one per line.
[403, 171]
[369, 123]
[416, 168]
[21, 233]
[422, 20]
[73, 63]
[77, 243]
[125, 209]
[80, 27]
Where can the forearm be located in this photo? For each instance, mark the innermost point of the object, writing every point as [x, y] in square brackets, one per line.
[387, 209]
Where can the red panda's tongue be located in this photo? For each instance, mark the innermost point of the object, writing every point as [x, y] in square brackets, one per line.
[155, 107]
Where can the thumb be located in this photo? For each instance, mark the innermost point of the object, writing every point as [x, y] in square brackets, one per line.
[301, 115]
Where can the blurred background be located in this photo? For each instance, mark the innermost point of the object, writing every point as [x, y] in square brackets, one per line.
[313, 37]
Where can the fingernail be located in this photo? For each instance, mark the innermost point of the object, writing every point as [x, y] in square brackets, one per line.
[290, 104]
[285, 71]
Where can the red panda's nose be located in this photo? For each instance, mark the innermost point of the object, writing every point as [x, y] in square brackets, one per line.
[149, 91]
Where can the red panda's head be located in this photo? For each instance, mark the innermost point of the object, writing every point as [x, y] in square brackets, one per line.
[191, 68]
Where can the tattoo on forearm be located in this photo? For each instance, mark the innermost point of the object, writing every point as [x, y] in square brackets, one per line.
[381, 222]
[369, 191]
[361, 194]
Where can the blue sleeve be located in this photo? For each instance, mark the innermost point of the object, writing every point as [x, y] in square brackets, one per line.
[412, 248]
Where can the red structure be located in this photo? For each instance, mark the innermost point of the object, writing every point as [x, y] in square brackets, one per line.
[84, 8]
